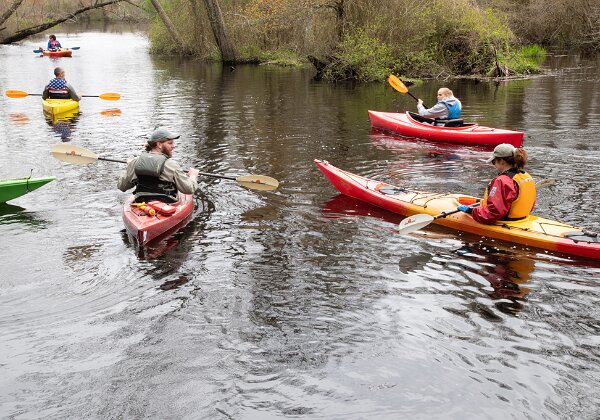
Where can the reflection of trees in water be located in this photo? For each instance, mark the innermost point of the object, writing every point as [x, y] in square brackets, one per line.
[75, 255]
[10, 214]
[306, 291]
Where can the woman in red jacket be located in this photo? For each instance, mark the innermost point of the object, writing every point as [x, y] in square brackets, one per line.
[509, 196]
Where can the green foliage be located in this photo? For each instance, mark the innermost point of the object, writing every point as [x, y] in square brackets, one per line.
[360, 57]
[526, 60]
[282, 58]
[467, 38]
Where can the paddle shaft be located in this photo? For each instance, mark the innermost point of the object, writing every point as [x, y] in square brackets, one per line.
[112, 160]
[218, 176]
[199, 173]
[414, 97]
[83, 96]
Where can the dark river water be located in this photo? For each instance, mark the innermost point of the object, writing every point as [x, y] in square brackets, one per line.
[296, 303]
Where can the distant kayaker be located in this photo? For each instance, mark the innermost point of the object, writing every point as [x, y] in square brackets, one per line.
[59, 88]
[53, 44]
[154, 174]
[509, 196]
[447, 107]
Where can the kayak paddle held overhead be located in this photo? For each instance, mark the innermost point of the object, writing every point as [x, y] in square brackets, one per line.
[108, 96]
[78, 155]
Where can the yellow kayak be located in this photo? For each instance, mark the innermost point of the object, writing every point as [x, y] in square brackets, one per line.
[59, 106]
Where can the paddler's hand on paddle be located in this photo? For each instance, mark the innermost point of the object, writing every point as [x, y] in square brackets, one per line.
[193, 173]
[419, 101]
[464, 208]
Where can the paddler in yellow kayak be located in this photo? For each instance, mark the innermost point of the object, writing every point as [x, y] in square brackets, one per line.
[154, 174]
[509, 196]
[59, 88]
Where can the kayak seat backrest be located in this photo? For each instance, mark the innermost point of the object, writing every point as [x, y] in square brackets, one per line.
[454, 123]
[584, 236]
[145, 197]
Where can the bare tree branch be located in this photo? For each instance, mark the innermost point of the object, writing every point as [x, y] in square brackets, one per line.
[12, 9]
[24, 33]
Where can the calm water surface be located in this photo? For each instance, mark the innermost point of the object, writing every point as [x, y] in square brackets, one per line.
[296, 303]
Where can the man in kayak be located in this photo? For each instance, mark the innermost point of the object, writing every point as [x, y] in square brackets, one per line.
[446, 108]
[154, 174]
[59, 88]
[509, 196]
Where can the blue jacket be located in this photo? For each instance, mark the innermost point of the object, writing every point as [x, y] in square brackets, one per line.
[447, 108]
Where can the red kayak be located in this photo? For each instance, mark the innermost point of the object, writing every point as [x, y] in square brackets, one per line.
[531, 231]
[58, 53]
[147, 221]
[413, 125]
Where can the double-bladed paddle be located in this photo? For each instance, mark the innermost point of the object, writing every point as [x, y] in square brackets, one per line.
[108, 96]
[41, 51]
[397, 84]
[420, 220]
[81, 156]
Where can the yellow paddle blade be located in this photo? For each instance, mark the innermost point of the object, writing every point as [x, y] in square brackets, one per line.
[73, 154]
[16, 93]
[258, 182]
[397, 84]
[110, 96]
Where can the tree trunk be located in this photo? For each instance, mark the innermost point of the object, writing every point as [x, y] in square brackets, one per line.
[24, 33]
[340, 23]
[12, 9]
[218, 28]
[170, 27]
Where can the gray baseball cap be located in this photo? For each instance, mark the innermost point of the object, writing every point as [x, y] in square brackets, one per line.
[162, 134]
[503, 150]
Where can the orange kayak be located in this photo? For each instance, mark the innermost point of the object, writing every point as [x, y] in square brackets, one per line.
[59, 53]
[532, 231]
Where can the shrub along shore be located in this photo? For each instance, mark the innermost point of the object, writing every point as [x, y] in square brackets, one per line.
[365, 40]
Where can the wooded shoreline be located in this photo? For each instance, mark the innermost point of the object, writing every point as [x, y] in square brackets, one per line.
[362, 40]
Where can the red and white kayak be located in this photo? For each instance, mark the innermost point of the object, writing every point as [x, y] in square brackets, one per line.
[148, 221]
[531, 231]
[408, 124]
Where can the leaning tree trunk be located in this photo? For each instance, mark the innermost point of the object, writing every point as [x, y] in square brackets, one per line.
[170, 27]
[217, 25]
[24, 33]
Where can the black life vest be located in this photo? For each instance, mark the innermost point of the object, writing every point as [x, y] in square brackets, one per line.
[148, 169]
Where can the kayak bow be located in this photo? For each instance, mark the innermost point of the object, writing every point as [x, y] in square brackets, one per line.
[14, 188]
